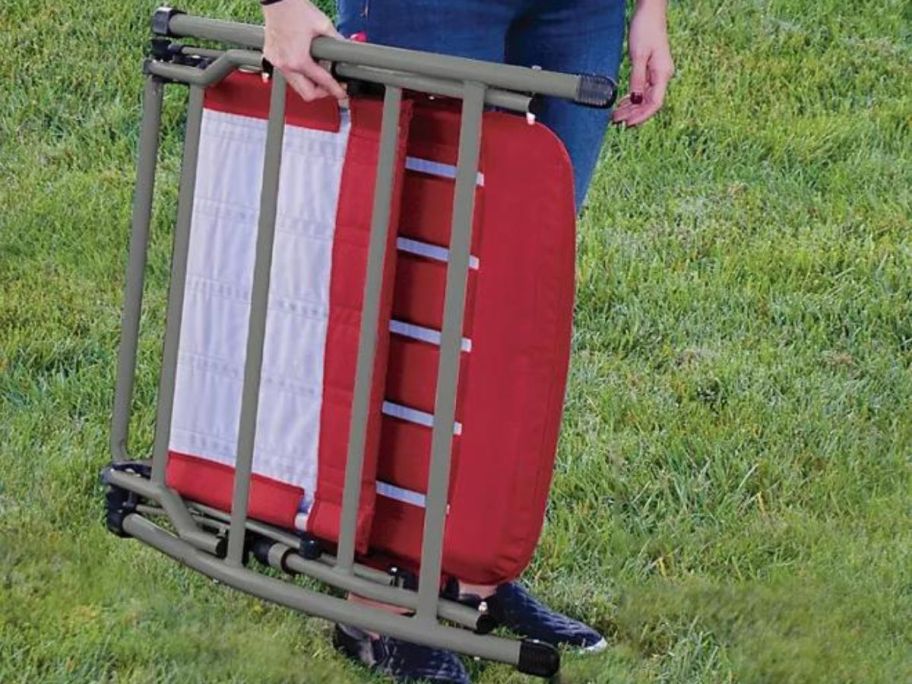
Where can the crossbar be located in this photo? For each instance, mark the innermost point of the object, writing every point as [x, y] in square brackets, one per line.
[136, 266]
[367, 337]
[179, 257]
[584, 89]
[321, 605]
[450, 351]
[256, 330]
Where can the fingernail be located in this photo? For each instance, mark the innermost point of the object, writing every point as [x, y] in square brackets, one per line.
[636, 98]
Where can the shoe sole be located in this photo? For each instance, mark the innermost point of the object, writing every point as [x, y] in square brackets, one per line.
[597, 647]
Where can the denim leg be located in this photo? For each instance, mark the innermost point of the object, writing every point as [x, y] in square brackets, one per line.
[573, 36]
[465, 28]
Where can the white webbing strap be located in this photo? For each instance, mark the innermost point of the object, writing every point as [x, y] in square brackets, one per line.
[412, 415]
[439, 169]
[430, 251]
[423, 334]
[391, 491]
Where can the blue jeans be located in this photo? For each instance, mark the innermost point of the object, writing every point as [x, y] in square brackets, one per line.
[573, 36]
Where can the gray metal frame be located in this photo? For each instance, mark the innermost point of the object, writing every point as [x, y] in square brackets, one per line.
[216, 543]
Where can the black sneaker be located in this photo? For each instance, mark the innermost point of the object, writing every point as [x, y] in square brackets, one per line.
[513, 607]
[402, 661]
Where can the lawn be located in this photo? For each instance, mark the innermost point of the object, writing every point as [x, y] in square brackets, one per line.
[733, 499]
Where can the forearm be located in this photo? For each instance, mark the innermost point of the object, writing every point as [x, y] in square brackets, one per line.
[656, 10]
[651, 65]
[652, 4]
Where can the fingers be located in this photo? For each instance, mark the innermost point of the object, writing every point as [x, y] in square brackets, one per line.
[290, 28]
[322, 78]
[304, 87]
[622, 109]
[309, 79]
[628, 109]
[632, 111]
[633, 101]
[317, 73]
[631, 114]
[638, 82]
[652, 103]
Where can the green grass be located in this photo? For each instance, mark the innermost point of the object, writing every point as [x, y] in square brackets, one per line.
[733, 492]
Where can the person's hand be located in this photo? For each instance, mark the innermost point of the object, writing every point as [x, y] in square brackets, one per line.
[651, 64]
[291, 25]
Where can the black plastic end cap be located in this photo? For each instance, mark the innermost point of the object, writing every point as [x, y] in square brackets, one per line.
[538, 659]
[259, 547]
[119, 503]
[485, 624]
[403, 578]
[536, 105]
[310, 548]
[161, 20]
[104, 477]
[114, 522]
[596, 91]
[221, 547]
[164, 49]
[358, 88]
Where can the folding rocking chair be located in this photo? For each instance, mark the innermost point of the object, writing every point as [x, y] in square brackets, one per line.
[367, 330]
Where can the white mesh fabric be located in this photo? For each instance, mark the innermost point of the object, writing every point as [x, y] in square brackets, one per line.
[217, 301]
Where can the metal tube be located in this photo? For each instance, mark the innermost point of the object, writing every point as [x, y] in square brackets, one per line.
[504, 99]
[136, 266]
[179, 256]
[283, 537]
[506, 76]
[193, 50]
[450, 350]
[187, 25]
[367, 338]
[321, 605]
[364, 580]
[148, 509]
[256, 327]
[152, 492]
[264, 529]
[174, 508]
[404, 598]
[226, 63]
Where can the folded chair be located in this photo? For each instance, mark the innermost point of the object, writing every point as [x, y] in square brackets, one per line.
[367, 330]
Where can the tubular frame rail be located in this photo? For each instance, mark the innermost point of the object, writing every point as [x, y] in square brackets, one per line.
[219, 544]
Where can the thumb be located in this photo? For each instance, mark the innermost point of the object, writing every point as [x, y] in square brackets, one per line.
[638, 78]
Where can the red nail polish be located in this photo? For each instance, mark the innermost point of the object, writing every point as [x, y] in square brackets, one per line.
[636, 98]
